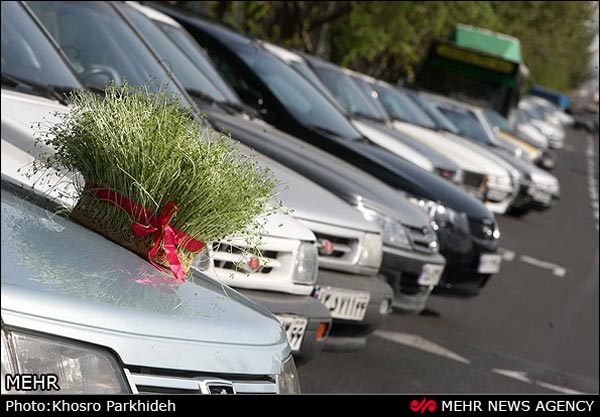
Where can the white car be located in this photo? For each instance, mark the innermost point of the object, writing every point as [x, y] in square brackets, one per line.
[555, 134]
[551, 111]
[523, 127]
[500, 186]
[478, 175]
[543, 186]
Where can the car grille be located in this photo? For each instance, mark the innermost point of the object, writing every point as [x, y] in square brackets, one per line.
[473, 179]
[149, 382]
[423, 239]
[227, 257]
[342, 247]
[345, 246]
[474, 183]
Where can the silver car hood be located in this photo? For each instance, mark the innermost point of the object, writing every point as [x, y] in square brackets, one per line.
[63, 279]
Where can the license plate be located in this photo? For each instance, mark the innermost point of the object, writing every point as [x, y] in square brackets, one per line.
[343, 304]
[489, 264]
[295, 328]
[430, 274]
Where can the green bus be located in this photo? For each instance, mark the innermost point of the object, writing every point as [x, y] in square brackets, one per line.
[475, 65]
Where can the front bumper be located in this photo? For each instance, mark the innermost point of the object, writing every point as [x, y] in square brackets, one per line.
[548, 159]
[299, 305]
[460, 276]
[401, 269]
[542, 198]
[556, 142]
[381, 294]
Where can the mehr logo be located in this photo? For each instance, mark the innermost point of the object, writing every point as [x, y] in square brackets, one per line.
[423, 406]
[31, 382]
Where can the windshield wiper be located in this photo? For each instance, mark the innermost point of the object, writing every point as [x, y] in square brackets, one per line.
[366, 116]
[325, 130]
[48, 91]
[201, 96]
[229, 106]
[239, 108]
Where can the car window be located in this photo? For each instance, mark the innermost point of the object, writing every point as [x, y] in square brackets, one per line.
[467, 123]
[495, 119]
[27, 53]
[197, 55]
[185, 70]
[100, 46]
[370, 94]
[400, 107]
[533, 114]
[438, 117]
[296, 93]
[347, 93]
[244, 86]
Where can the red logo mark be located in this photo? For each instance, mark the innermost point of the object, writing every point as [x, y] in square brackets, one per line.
[253, 264]
[424, 405]
[326, 247]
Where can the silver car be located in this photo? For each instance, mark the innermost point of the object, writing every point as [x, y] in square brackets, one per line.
[105, 321]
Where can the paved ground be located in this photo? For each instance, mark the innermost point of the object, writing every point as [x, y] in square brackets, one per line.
[533, 329]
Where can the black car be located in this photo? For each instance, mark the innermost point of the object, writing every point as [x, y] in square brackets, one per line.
[468, 235]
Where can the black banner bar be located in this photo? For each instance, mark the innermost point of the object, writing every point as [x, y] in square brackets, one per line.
[406, 404]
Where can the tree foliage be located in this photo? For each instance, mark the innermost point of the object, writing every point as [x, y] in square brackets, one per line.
[387, 39]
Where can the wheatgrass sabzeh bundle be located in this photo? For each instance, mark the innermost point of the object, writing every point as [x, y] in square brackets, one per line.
[152, 178]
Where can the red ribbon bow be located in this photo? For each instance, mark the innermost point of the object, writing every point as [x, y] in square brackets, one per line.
[149, 224]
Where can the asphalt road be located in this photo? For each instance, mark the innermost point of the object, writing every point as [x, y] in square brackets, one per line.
[533, 329]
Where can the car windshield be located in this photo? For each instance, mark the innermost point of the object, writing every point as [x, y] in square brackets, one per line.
[197, 55]
[532, 113]
[27, 55]
[296, 93]
[437, 116]
[401, 108]
[495, 119]
[467, 123]
[185, 70]
[100, 46]
[370, 94]
[545, 106]
[348, 94]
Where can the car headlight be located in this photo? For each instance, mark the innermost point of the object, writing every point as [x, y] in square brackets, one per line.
[515, 178]
[440, 215]
[371, 253]
[306, 264]
[80, 368]
[288, 381]
[499, 181]
[392, 231]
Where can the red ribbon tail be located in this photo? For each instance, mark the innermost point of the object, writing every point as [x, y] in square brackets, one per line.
[154, 250]
[169, 246]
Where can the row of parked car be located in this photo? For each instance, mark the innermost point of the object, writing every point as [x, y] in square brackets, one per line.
[393, 195]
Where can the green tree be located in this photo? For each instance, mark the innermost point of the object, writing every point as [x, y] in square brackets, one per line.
[388, 39]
